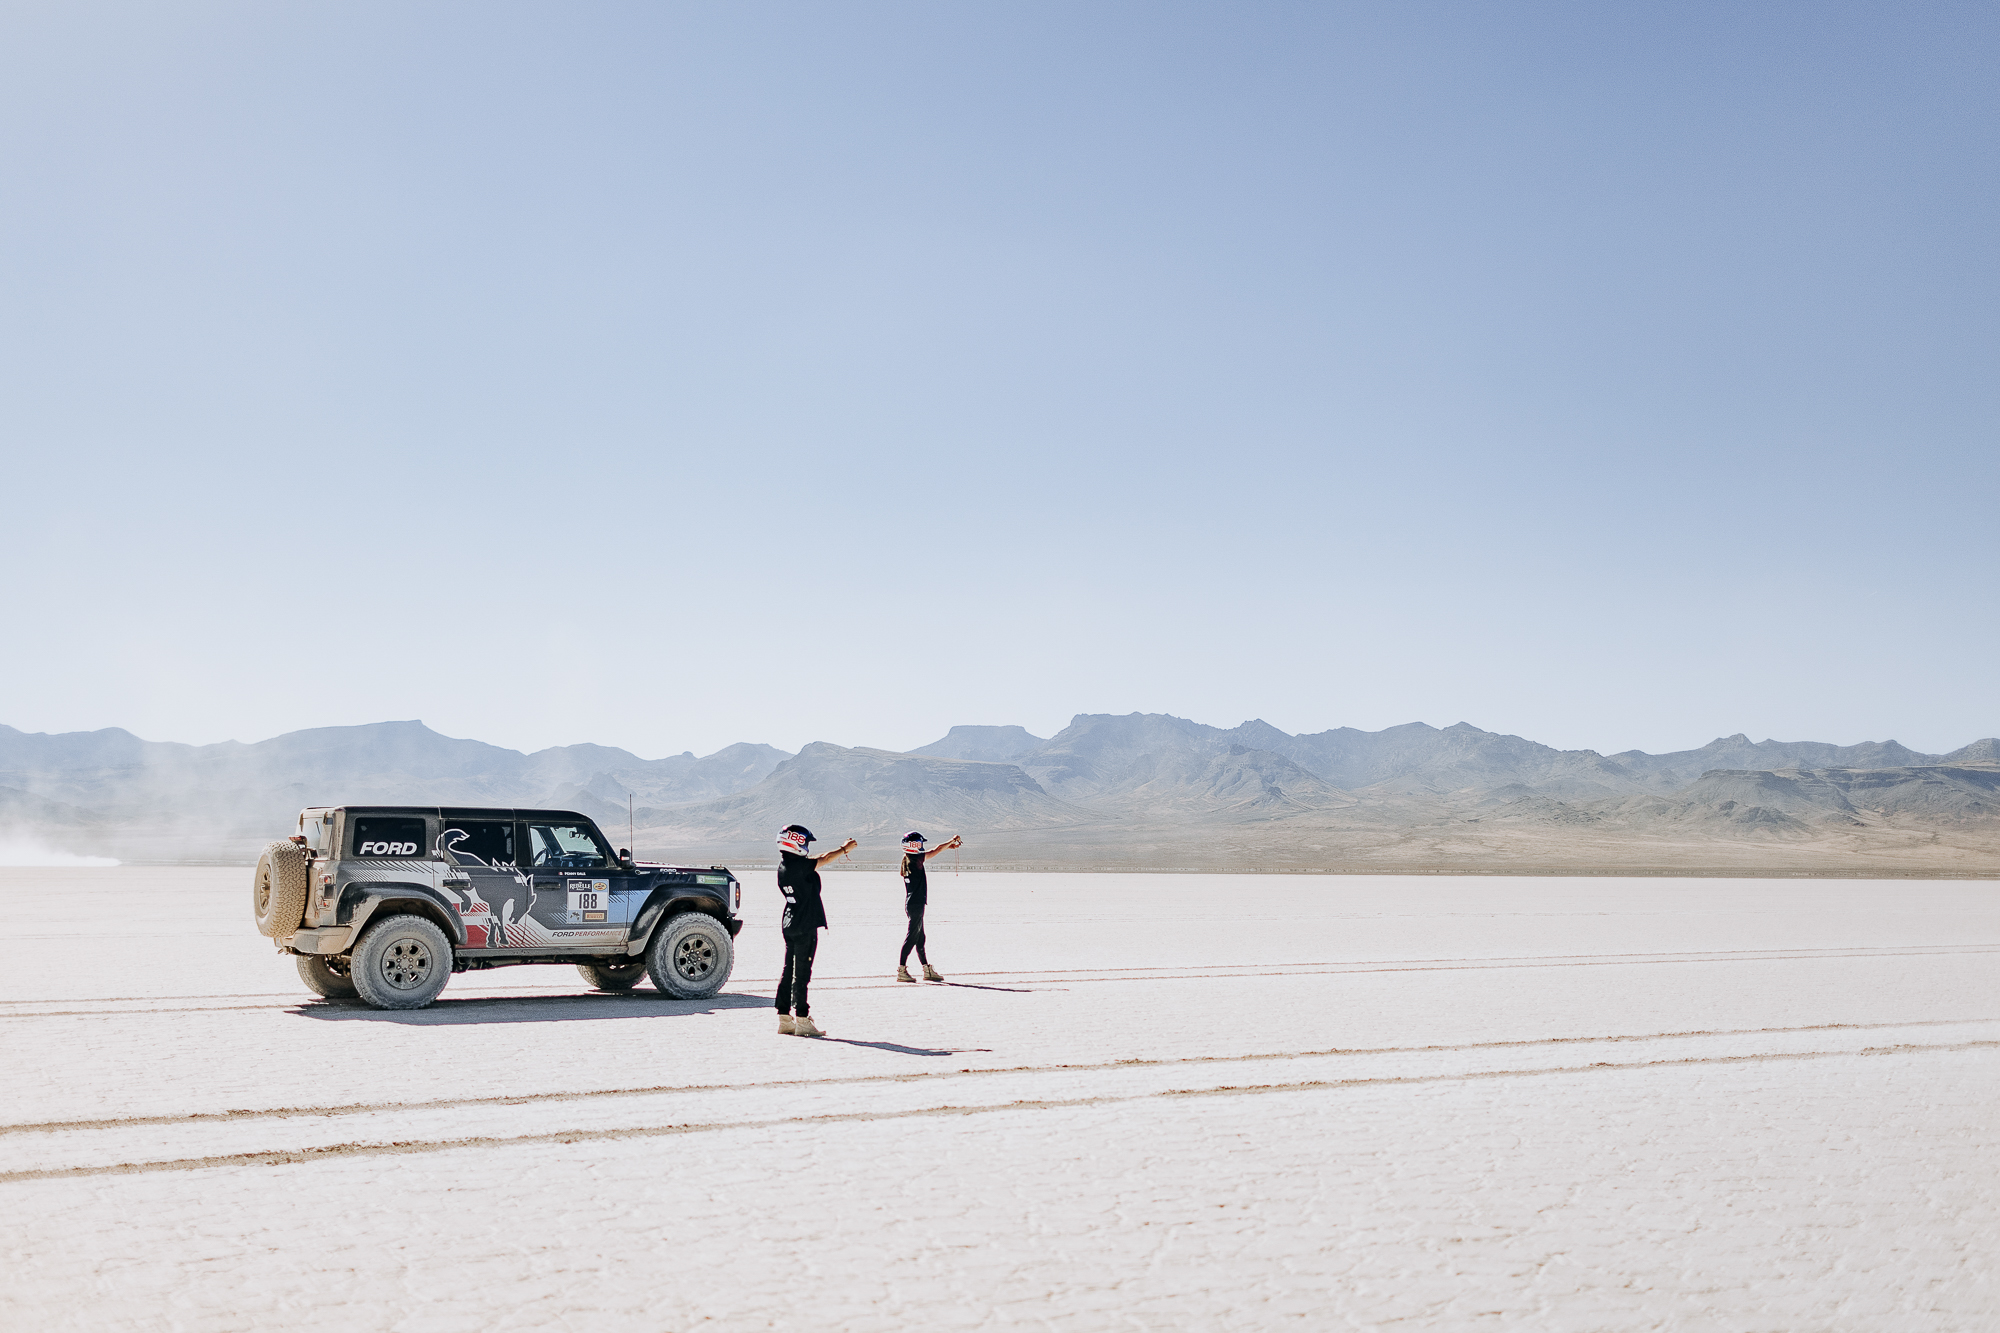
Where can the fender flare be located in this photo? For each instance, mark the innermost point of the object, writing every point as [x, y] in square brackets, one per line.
[416, 899]
[666, 904]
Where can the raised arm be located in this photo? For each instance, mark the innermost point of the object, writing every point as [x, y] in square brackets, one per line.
[943, 847]
[841, 850]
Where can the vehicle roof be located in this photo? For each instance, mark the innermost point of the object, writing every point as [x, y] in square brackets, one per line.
[458, 811]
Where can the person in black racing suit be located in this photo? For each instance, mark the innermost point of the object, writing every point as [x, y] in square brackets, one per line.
[798, 880]
[916, 895]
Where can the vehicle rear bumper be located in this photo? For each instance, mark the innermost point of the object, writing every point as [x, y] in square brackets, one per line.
[325, 939]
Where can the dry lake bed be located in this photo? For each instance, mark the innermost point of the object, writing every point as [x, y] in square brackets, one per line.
[1142, 1101]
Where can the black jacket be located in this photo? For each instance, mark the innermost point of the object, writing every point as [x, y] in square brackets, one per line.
[798, 880]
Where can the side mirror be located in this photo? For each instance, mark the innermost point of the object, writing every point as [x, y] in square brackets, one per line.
[625, 856]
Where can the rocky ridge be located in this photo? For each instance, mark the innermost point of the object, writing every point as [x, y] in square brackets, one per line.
[1117, 791]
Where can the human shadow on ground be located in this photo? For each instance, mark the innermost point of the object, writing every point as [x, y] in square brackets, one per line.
[908, 1050]
[449, 1012]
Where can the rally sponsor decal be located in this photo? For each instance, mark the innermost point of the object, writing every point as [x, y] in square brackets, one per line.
[501, 923]
[589, 900]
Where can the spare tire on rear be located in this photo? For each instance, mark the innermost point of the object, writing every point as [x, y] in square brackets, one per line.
[278, 893]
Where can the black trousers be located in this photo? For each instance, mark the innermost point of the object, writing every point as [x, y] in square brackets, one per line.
[913, 938]
[798, 973]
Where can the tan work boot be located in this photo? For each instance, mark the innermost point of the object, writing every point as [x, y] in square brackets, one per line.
[931, 973]
[903, 973]
[785, 1028]
[803, 1027]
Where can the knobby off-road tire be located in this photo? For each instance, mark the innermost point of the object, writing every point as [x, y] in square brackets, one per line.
[691, 957]
[613, 976]
[402, 962]
[328, 976]
[278, 891]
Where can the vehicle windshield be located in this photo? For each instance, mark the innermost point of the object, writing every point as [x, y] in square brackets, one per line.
[566, 847]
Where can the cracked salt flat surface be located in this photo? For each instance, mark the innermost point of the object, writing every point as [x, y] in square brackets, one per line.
[1160, 1102]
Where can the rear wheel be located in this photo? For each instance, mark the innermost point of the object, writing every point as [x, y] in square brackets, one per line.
[278, 890]
[691, 957]
[613, 976]
[327, 976]
[402, 962]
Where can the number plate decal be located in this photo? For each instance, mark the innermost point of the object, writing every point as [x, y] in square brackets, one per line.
[589, 900]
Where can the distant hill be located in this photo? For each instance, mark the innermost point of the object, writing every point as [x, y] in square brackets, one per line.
[1154, 789]
[833, 790]
[993, 745]
[1232, 784]
[197, 799]
[1141, 789]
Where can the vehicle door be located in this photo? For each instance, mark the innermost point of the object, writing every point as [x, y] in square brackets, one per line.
[490, 891]
[578, 886]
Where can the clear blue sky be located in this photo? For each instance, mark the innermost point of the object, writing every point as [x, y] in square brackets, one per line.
[671, 375]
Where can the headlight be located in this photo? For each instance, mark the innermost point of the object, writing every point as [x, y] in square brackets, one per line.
[732, 889]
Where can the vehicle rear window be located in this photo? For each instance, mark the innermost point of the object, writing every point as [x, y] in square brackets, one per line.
[378, 836]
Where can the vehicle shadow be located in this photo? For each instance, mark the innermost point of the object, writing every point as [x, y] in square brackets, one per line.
[448, 1012]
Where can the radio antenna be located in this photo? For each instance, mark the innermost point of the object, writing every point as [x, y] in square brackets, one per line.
[631, 831]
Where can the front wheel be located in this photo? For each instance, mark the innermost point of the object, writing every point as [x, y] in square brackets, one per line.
[691, 957]
[613, 976]
[326, 976]
[402, 962]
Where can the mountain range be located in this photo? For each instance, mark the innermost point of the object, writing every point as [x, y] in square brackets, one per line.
[1116, 792]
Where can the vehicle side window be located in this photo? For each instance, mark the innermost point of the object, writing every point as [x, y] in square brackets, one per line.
[389, 837]
[489, 841]
[566, 847]
[319, 832]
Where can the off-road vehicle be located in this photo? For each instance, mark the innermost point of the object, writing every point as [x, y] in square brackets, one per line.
[385, 902]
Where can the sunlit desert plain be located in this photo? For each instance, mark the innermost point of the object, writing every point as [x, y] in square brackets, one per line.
[1139, 1101]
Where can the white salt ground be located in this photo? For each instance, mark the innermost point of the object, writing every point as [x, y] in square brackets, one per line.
[1147, 1102]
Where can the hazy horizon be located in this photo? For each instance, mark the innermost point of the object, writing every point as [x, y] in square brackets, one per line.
[665, 378]
[1038, 735]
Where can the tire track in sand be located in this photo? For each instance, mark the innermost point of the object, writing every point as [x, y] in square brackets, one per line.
[603, 1094]
[342, 1151]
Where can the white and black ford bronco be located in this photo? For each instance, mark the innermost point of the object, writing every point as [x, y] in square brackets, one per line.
[385, 902]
